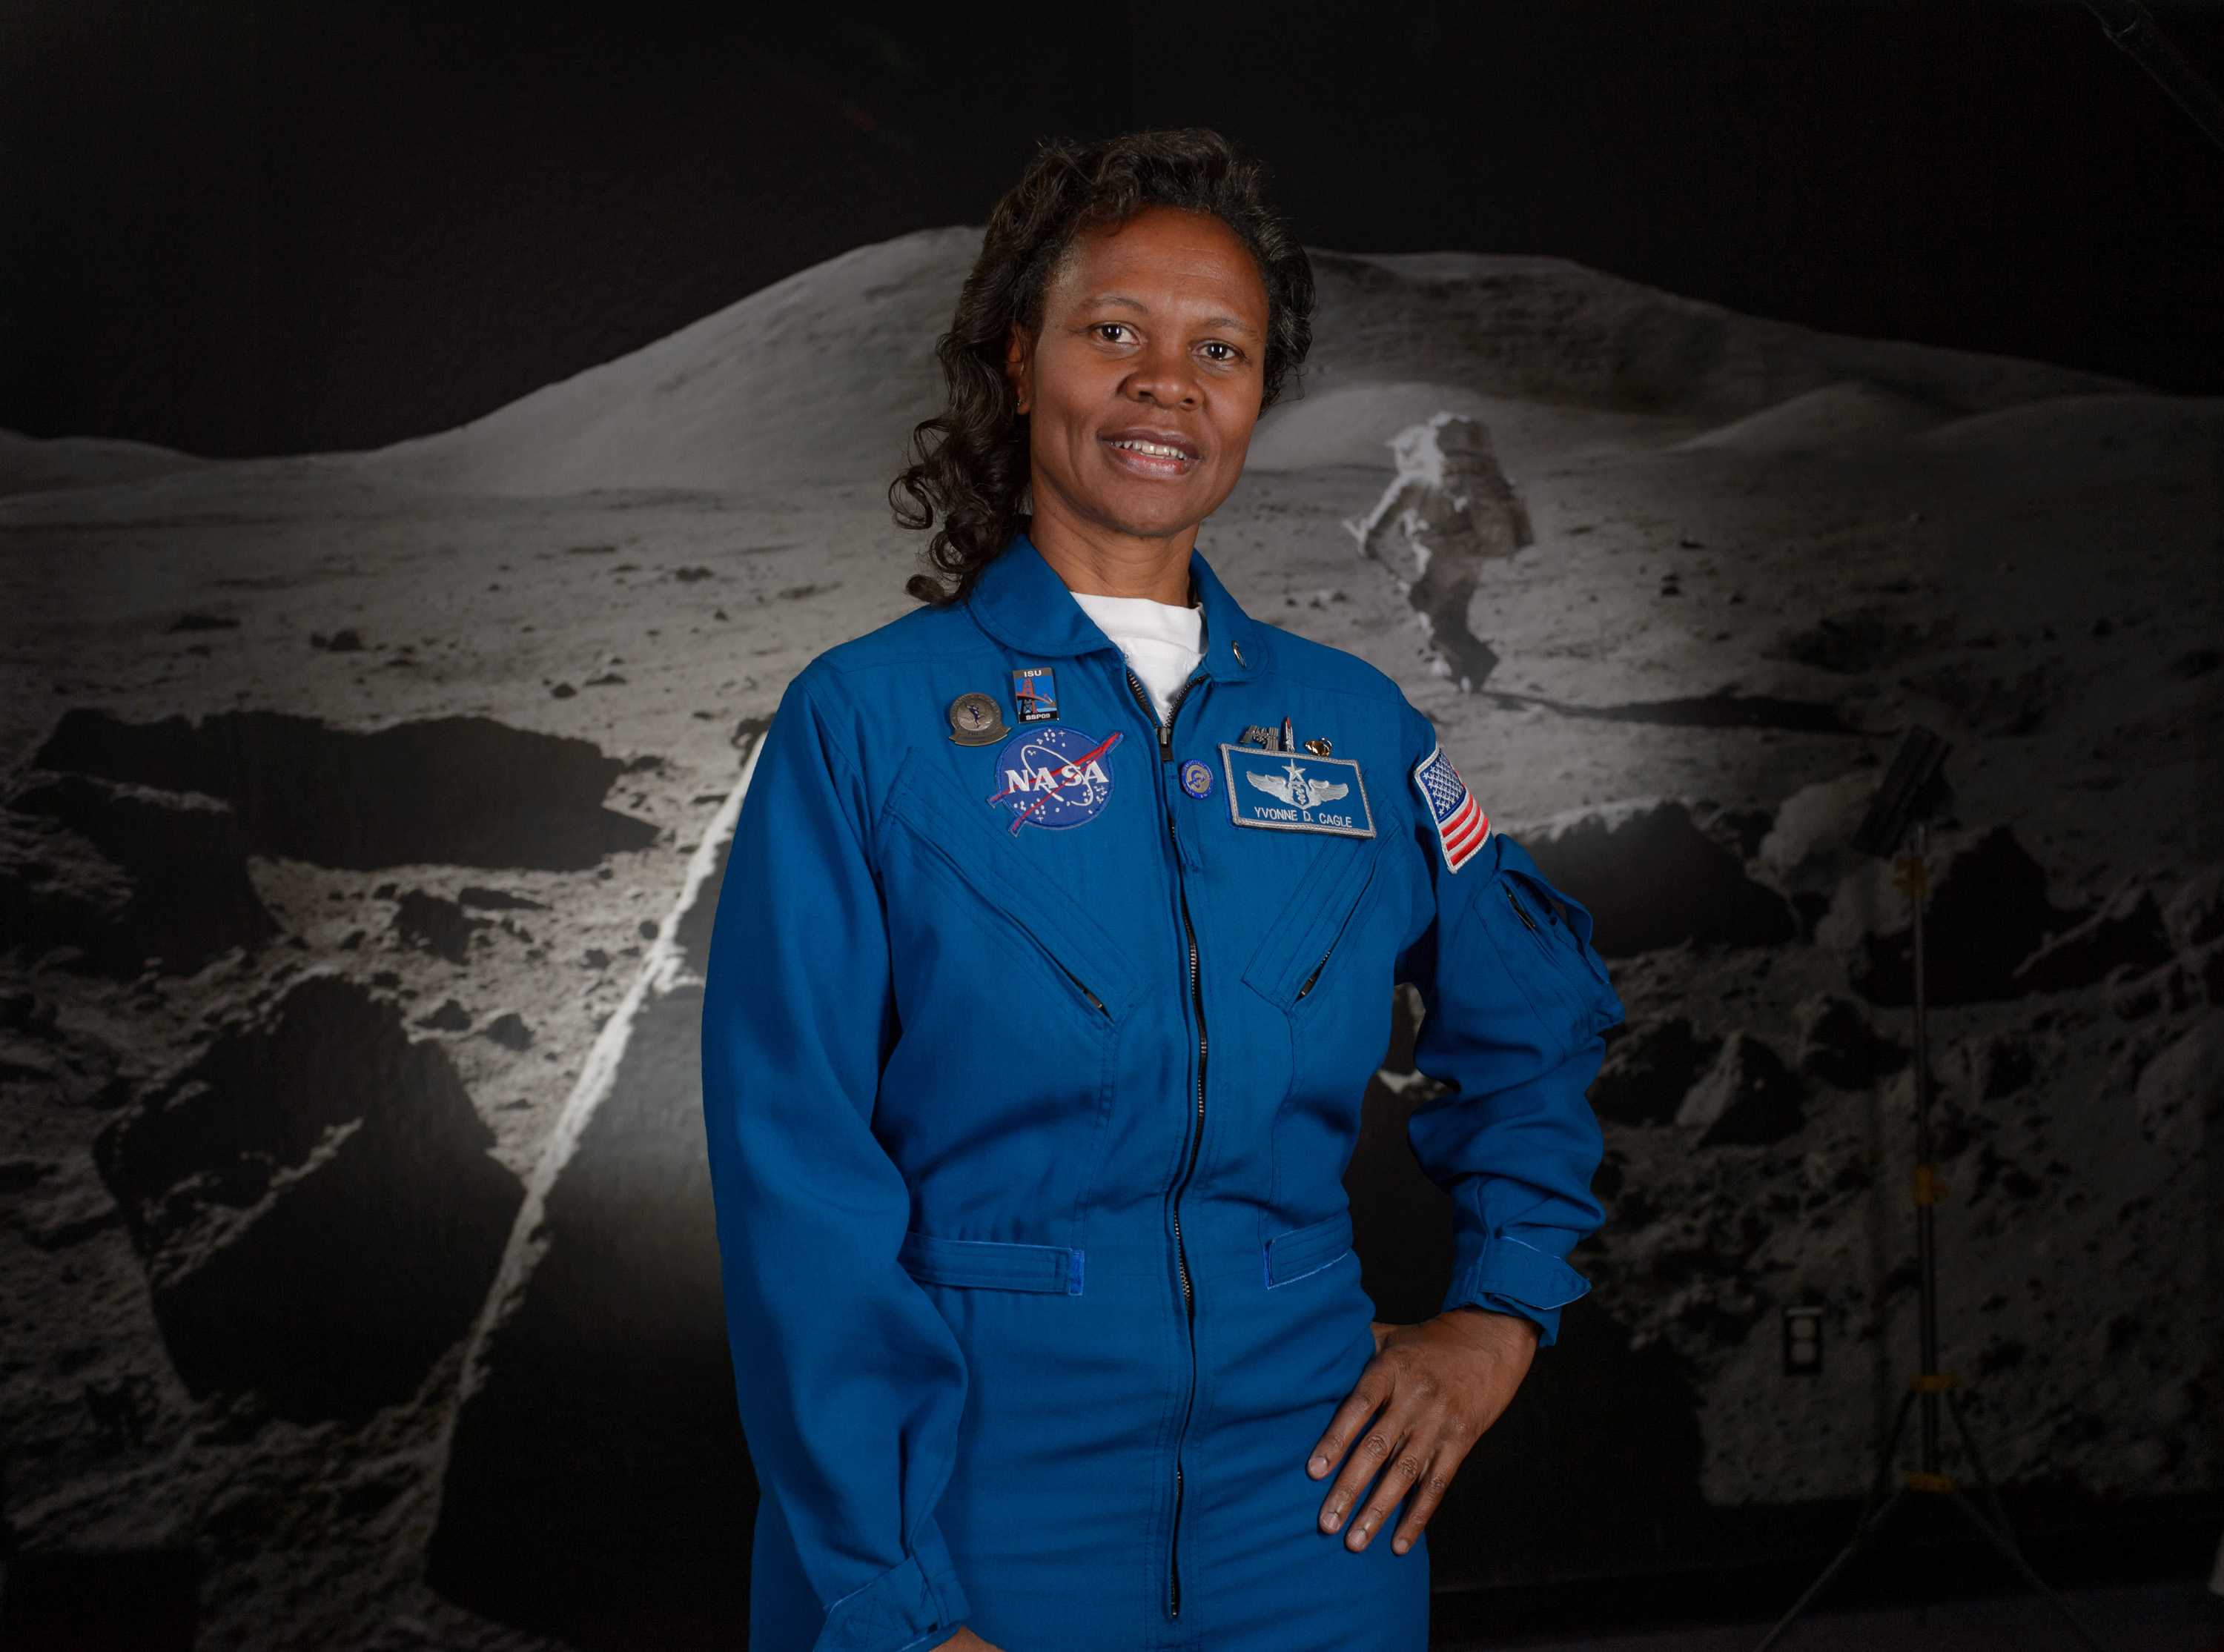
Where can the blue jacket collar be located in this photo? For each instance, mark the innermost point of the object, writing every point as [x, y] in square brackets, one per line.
[1020, 600]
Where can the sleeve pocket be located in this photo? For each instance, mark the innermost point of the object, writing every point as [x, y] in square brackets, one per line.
[1555, 934]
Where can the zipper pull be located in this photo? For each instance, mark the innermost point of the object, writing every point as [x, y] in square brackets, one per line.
[1521, 912]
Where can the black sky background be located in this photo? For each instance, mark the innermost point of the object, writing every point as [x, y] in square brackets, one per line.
[296, 226]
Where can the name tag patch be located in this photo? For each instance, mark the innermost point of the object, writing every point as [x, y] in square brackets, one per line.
[1295, 791]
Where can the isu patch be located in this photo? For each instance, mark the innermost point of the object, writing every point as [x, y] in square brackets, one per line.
[1052, 775]
[1462, 827]
[1034, 689]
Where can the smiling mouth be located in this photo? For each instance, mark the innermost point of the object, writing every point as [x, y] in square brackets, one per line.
[1150, 458]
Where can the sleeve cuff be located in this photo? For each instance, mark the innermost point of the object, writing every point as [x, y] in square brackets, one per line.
[903, 1609]
[1508, 1276]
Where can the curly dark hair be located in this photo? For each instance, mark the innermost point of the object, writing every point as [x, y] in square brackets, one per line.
[971, 461]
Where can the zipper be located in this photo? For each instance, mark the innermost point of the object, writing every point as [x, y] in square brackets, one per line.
[1522, 912]
[1336, 939]
[1084, 989]
[1196, 1000]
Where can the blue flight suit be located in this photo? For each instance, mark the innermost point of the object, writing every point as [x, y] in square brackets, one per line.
[1031, 1071]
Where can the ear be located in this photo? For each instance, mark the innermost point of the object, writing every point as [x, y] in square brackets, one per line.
[1018, 366]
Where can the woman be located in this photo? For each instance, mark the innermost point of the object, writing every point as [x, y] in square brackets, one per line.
[1055, 951]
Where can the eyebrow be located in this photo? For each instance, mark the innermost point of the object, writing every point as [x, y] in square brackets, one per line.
[1230, 322]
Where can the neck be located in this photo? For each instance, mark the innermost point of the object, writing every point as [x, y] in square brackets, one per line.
[1096, 562]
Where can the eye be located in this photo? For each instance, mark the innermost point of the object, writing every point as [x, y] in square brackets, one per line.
[1221, 344]
[1101, 325]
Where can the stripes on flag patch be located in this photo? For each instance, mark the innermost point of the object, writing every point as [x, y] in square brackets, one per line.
[1462, 827]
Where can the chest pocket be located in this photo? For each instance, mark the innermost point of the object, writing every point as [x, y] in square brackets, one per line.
[1545, 938]
[960, 844]
[1323, 909]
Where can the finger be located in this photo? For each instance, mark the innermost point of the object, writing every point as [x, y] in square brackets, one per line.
[1400, 1474]
[1372, 1390]
[1428, 1494]
[1378, 1445]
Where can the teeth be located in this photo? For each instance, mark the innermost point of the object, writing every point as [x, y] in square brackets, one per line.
[1159, 449]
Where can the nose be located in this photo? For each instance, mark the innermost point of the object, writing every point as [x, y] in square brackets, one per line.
[1164, 375]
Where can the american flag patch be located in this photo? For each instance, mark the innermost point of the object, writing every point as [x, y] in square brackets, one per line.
[1462, 827]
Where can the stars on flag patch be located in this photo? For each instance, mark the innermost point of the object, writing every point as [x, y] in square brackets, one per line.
[1462, 827]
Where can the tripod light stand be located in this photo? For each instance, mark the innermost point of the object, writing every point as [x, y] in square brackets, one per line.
[1913, 791]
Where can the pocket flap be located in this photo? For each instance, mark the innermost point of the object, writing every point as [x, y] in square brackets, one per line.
[1309, 1249]
[931, 1260]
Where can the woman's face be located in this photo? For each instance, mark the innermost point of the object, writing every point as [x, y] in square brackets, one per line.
[1158, 326]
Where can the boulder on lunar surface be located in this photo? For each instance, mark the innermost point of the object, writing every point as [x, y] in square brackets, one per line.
[2125, 933]
[166, 881]
[2180, 1087]
[1838, 1045]
[1649, 1070]
[463, 791]
[1652, 878]
[1748, 1097]
[1987, 912]
[2195, 914]
[315, 1205]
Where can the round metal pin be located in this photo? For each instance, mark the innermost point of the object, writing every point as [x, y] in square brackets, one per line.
[1317, 746]
[1196, 778]
[977, 719]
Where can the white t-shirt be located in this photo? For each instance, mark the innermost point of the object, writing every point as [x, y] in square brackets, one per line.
[1162, 641]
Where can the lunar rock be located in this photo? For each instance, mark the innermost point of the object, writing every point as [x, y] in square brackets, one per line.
[1651, 878]
[1749, 1096]
[2195, 915]
[435, 923]
[314, 1205]
[2005, 1064]
[507, 1028]
[2179, 1089]
[1987, 912]
[467, 791]
[148, 878]
[1649, 1071]
[2126, 932]
[1838, 1045]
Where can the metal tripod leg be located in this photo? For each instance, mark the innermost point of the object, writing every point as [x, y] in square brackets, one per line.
[1870, 1514]
[1852, 1547]
[2003, 1536]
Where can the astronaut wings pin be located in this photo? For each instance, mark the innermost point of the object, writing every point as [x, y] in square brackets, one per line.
[1462, 827]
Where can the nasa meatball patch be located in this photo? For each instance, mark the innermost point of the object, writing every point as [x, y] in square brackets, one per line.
[1053, 775]
[1462, 827]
